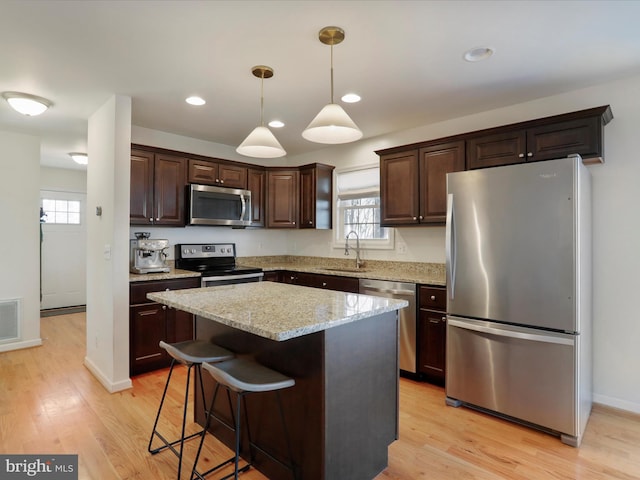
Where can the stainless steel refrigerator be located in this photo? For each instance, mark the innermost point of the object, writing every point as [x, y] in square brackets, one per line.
[518, 260]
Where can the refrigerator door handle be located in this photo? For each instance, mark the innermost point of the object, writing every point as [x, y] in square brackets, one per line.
[450, 246]
[501, 332]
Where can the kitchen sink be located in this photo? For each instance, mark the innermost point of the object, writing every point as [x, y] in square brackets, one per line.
[345, 269]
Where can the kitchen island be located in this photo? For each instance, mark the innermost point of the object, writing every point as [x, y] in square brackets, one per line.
[341, 349]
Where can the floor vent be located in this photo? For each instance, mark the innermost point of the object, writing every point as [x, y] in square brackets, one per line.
[9, 320]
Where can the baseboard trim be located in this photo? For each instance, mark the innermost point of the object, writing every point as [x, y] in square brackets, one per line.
[7, 347]
[616, 403]
[110, 386]
[52, 312]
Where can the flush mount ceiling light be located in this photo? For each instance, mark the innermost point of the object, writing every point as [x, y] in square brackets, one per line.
[478, 54]
[332, 125]
[197, 101]
[79, 157]
[27, 104]
[261, 143]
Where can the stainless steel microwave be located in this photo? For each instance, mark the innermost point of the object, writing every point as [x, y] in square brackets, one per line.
[209, 205]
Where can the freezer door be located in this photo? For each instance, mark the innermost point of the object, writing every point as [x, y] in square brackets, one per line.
[523, 373]
[511, 244]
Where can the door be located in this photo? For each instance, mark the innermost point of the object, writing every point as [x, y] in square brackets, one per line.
[521, 372]
[63, 250]
[511, 244]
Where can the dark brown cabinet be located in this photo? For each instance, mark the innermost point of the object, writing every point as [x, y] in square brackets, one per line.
[413, 187]
[545, 139]
[157, 189]
[150, 322]
[316, 196]
[283, 198]
[217, 173]
[318, 280]
[432, 333]
[256, 183]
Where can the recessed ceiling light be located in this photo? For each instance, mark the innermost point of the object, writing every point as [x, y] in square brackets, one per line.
[276, 124]
[351, 98]
[478, 54]
[195, 101]
[27, 104]
[79, 157]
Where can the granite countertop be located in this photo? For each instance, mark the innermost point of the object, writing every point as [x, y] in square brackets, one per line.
[170, 275]
[414, 272]
[274, 310]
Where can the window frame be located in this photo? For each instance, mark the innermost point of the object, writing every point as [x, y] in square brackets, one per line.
[338, 237]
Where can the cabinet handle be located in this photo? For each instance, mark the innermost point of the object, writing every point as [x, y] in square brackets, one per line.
[221, 181]
[164, 307]
[421, 217]
[151, 220]
[310, 222]
[433, 298]
[324, 284]
[167, 289]
[529, 154]
[521, 155]
[444, 319]
[294, 223]
[157, 219]
[434, 320]
[415, 218]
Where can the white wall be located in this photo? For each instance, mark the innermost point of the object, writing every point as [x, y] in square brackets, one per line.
[108, 179]
[20, 239]
[63, 180]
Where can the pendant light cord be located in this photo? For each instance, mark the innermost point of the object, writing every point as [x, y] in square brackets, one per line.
[262, 99]
[331, 73]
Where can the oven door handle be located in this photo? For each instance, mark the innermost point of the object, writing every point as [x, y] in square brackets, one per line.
[232, 277]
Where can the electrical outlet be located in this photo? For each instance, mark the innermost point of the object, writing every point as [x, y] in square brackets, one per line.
[402, 248]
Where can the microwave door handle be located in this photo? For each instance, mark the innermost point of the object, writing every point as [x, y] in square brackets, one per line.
[244, 207]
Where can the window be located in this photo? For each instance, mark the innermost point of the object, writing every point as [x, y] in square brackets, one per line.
[358, 208]
[60, 211]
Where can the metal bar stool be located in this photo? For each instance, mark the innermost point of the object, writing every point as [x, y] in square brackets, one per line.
[191, 353]
[244, 376]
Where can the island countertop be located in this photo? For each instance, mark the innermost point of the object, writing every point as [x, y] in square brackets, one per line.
[277, 311]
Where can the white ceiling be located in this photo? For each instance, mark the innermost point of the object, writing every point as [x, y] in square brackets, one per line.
[403, 57]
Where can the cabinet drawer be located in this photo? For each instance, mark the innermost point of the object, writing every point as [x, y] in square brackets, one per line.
[138, 291]
[433, 298]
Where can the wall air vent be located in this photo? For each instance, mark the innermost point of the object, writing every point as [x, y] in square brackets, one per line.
[9, 320]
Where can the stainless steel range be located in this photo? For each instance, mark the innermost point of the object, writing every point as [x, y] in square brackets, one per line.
[216, 262]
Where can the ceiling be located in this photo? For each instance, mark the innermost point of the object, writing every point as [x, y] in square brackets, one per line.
[404, 58]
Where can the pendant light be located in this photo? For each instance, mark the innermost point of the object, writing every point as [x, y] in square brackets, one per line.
[332, 125]
[261, 143]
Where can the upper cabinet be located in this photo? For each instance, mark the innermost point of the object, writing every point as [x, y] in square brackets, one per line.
[413, 186]
[583, 136]
[300, 197]
[316, 196]
[282, 197]
[256, 183]
[413, 177]
[217, 173]
[157, 189]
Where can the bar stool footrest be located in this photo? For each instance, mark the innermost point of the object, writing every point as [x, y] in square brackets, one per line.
[231, 460]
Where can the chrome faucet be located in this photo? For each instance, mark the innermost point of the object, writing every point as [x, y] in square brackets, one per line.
[346, 247]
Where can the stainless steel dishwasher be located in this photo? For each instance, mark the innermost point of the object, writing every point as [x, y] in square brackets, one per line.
[403, 291]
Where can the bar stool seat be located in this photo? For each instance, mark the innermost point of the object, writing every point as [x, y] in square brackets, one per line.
[191, 353]
[244, 377]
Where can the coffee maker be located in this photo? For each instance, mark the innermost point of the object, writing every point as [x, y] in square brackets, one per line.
[147, 254]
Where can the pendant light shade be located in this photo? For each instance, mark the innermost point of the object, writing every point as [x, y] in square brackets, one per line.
[332, 125]
[261, 143]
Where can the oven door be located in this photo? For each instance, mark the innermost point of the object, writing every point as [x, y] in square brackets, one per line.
[216, 281]
[219, 206]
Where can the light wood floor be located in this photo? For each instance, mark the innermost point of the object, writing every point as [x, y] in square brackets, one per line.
[49, 403]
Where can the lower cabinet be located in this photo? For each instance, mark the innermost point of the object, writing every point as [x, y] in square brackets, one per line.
[432, 333]
[317, 280]
[150, 322]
